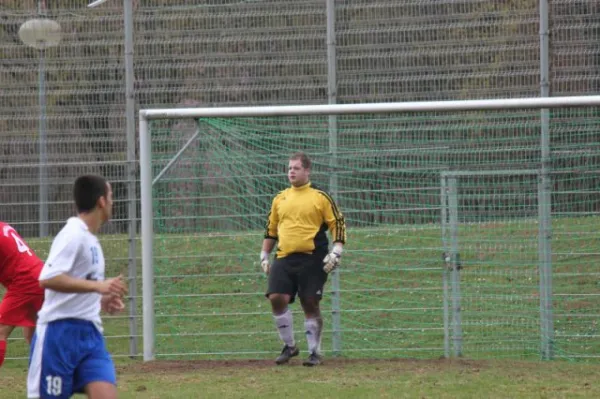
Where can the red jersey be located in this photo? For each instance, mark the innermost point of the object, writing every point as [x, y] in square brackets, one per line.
[16, 258]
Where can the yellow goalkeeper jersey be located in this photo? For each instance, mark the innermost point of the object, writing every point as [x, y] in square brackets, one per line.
[299, 219]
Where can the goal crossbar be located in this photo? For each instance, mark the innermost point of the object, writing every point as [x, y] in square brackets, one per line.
[372, 108]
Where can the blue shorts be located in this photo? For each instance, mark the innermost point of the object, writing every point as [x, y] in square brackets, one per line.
[66, 355]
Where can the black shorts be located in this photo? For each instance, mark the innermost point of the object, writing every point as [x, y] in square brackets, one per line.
[300, 274]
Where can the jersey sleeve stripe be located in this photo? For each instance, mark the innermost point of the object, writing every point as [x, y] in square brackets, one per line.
[267, 226]
[339, 219]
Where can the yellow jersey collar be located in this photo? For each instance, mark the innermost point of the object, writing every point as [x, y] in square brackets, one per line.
[303, 187]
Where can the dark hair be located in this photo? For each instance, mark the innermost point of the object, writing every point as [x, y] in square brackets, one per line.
[304, 159]
[87, 190]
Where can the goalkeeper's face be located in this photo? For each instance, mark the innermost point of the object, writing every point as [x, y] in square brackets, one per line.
[297, 175]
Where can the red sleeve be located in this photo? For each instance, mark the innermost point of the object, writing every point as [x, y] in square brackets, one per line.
[15, 254]
[5, 256]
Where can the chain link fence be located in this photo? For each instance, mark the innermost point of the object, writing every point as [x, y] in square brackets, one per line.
[251, 52]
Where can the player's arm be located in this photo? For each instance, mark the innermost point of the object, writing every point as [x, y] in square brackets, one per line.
[334, 219]
[272, 221]
[337, 226]
[270, 236]
[61, 260]
[67, 284]
[268, 245]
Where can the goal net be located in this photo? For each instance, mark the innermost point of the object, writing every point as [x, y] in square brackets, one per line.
[472, 227]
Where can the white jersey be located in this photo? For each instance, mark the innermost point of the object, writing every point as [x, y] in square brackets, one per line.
[75, 252]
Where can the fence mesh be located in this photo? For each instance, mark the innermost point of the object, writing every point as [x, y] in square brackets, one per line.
[239, 52]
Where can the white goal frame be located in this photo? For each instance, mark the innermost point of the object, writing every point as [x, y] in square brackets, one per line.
[146, 178]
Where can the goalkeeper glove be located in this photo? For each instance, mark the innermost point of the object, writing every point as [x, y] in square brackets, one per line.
[332, 260]
[264, 261]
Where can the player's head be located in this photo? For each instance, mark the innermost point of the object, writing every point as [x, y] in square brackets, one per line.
[93, 194]
[299, 169]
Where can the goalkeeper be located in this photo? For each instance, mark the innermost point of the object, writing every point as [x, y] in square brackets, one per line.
[298, 221]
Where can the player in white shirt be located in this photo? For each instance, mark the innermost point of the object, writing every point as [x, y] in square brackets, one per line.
[68, 353]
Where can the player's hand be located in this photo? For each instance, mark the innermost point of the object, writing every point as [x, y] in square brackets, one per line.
[112, 304]
[264, 262]
[332, 260]
[113, 286]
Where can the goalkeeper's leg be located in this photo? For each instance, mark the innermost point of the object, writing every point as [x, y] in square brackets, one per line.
[285, 326]
[313, 325]
[281, 292]
[311, 283]
[284, 320]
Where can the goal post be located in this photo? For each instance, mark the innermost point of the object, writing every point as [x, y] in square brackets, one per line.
[390, 158]
[450, 188]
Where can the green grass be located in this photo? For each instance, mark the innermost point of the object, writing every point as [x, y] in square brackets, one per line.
[210, 305]
[391, 296]
[346, 379]
[209, 299]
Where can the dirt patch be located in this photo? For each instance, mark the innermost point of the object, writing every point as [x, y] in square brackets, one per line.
[182, 366]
